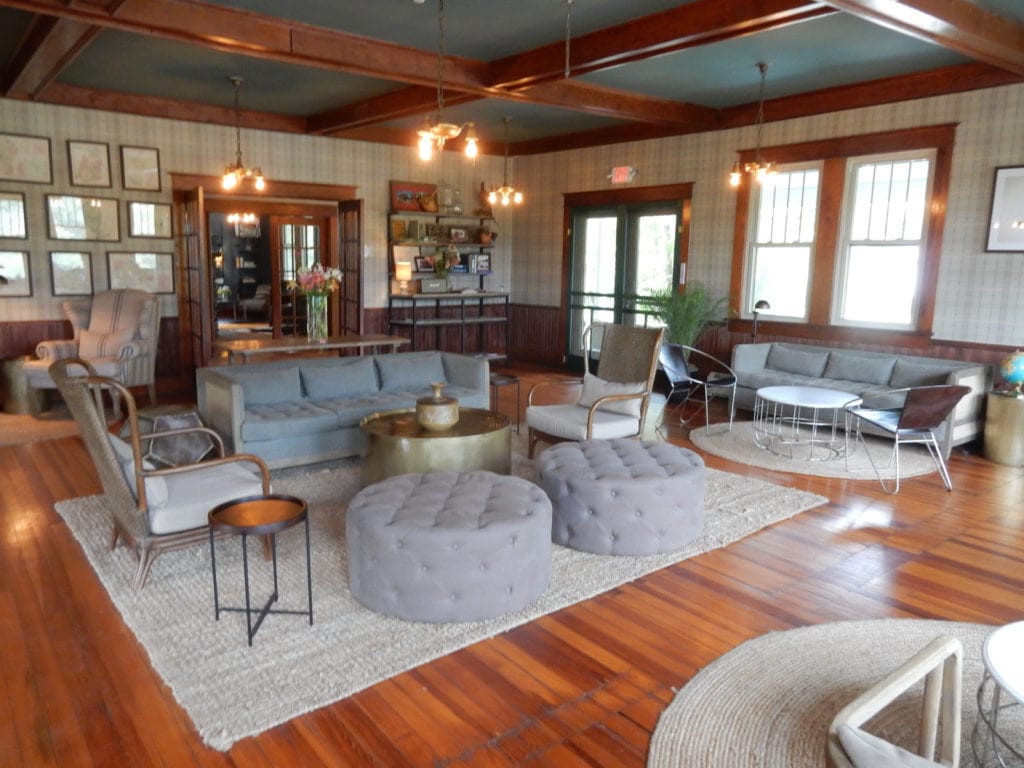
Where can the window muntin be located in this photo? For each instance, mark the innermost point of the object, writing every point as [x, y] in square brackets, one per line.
[781, 246]
[882, 250]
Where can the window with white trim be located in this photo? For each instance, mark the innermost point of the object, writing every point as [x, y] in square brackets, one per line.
[781, 242]
[882, 249]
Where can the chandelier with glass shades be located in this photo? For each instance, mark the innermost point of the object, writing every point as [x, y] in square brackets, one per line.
[758, 168]
[237, 173]
[434, 134]
[505, 194]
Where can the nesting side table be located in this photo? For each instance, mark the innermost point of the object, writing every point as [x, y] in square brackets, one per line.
[997, 738]
[260, 516]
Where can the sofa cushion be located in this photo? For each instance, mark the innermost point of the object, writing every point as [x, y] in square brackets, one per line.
[847, 366]
[595, 388]
[341, 379]
[412, 370]
[909, 373]
[269, 386]
[301, 417]
[791, 360]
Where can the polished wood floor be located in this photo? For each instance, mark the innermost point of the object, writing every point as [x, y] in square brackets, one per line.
[583, 686]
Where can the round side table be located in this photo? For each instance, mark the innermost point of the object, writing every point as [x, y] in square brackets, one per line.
[260, 516]
[998, 735]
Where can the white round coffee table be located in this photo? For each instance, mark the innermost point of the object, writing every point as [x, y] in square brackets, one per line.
[800, 422]
[1003, 654]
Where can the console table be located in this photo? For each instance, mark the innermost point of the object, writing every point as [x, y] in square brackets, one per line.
[243, 349]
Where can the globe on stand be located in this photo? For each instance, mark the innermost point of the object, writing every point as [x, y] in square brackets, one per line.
[1012, 370]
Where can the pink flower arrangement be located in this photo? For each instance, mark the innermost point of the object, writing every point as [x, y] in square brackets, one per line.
[442, 261]
[316, 280]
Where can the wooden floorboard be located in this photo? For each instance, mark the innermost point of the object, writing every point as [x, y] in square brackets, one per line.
[580, 687]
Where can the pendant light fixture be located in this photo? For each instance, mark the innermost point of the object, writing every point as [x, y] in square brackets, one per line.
[434, 134]
[237, 173]
[505, 194]
[759, 169]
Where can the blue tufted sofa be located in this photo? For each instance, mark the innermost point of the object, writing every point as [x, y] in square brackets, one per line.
[305, 410]
[865, 374]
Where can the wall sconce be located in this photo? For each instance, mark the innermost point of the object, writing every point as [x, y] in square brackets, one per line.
[403, 274]
[759, 307]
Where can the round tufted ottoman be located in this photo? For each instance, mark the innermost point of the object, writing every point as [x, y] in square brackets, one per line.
[623, 497]
[449, 546]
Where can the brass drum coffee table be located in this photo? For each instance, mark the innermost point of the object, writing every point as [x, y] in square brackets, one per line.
[398, 444]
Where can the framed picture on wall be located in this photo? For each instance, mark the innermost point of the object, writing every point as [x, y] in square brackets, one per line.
[149, 219]
[71, 217]
[25, 158]
[14, 269]
[89, 163]
[140, 168]
[1006, 217]
[152, 272]
[71, 273]
[406, 195]
[12, 215]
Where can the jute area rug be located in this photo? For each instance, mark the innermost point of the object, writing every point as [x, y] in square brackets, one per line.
[738, 445]
[18, 429]
[768, 703]
[231, 691]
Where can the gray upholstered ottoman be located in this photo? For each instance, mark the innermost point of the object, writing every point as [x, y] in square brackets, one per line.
[449, 546]
[623, 497]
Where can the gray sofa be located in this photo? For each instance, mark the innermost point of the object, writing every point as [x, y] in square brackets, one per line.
[305, 410]
[865, 374]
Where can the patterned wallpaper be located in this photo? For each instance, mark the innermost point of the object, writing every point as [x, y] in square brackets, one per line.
[979, 294]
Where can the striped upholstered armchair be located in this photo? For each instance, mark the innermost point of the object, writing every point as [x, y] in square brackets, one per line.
[116, 332]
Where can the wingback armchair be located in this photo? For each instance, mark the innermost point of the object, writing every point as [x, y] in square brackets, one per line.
[115, 331]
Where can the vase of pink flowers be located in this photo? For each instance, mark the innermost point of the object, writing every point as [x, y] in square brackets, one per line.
[443, 260]
[316, 282]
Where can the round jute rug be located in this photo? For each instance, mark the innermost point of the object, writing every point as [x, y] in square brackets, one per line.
[768, 703]
[738, 444]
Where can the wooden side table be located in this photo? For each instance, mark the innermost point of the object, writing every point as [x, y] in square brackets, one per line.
[1004, 429]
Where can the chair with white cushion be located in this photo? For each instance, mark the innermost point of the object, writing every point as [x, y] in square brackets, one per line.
[152, 510]
[940, 665]
[115, 331]
[612, 402]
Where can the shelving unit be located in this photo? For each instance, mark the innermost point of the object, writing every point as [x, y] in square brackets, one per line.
[486, 310]
[415, 235]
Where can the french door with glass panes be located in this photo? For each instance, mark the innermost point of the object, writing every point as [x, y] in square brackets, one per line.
[619, 254]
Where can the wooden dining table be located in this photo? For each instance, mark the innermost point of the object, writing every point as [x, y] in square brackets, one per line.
[242, 350]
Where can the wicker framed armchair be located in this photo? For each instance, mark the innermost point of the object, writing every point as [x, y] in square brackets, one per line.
[152, 510]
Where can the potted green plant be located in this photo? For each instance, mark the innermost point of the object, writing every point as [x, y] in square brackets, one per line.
[686, 314]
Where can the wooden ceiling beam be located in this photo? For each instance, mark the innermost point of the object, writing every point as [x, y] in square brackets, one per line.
[414, 100]
[49, 45]
[955, 24]
[689, 25]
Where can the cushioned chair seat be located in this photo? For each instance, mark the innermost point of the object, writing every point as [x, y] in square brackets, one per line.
[447, 546]
[191, 496]
[569, 422]
[623, 497]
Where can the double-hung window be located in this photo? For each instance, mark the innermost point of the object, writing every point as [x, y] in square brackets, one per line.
[846, 238]
[884, 240]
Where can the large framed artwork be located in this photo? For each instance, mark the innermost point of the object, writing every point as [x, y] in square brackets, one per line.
[72, 217]
[140, 168]
[152, 272]
[71, 273]
[15, 277]
[1006, 217]
[89, 162]
[25, 158]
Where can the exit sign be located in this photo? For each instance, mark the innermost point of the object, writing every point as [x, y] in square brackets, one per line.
[622, 174]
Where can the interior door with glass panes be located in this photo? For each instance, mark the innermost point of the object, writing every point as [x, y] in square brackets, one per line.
[296, 241]
[618, 255]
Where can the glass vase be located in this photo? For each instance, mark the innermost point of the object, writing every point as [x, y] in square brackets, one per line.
[316, 318]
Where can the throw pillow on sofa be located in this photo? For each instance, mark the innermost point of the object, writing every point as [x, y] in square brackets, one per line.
[845, 366]
[410, 371]
[910, 374]
[791, 360]
[340, 379]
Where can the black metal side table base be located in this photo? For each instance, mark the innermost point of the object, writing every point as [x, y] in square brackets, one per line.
[265, 516]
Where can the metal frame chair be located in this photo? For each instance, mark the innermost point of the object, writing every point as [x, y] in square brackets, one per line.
[683, 365]
[627, 363]
[923, 411]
